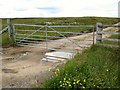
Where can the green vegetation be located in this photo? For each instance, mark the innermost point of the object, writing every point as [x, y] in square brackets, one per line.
[96, 67]
[6, 41]
[65, 20]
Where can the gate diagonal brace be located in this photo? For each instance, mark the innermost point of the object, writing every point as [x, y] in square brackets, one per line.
[31, 34]
[65, 37]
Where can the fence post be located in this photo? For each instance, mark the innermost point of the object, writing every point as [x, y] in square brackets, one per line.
[98, 35]
[46, 27]
[11, 31]
[93, 35]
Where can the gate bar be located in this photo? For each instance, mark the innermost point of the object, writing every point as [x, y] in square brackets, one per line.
[51, 31]
[29, 25]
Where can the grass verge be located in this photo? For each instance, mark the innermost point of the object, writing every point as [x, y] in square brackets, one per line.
[96, 67]
[5, 41]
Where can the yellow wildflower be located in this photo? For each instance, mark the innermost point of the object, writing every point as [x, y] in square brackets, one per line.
[64, 79]
[69, 79]
[49, 69]
[65, 84]
[68, 82]
[60, 85]
[60, 81]
[83, 87]
[78, 81]
[84, 80]
[107, 70]
[56, 74]
[74, 79]
[64, 62]
[97, 86]
[57, 70]
[73, 82]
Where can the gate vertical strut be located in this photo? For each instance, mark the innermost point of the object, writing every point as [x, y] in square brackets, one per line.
[46, 27]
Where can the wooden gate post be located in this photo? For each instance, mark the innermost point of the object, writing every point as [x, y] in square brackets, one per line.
[11, 31]
[98, 34]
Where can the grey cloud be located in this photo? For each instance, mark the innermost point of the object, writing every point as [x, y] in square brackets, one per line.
[119, 9]
[49, 9]
[21, 9]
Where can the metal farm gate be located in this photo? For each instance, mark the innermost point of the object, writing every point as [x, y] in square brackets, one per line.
[61, 38]
[45, 34]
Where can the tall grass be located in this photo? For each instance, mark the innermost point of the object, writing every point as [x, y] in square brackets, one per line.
[96, 67]
[6, 41]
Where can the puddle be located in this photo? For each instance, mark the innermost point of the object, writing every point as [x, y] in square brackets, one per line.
[9, 71]
[22, 55]
[20, 52]
[51, 50]
[8, 58]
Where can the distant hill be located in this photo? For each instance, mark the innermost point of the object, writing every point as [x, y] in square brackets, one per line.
[64, 20]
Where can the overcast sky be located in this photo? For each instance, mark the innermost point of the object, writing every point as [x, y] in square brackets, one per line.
[58, 8]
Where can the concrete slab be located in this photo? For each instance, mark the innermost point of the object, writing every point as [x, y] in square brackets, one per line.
[55, 58]
[60, 54]
[50, 60]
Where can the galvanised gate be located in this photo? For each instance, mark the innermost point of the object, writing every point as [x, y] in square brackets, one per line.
[52, 37]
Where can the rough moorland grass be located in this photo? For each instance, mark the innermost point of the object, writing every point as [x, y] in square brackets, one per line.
[5, 41]
[96, 67]
[65, 20]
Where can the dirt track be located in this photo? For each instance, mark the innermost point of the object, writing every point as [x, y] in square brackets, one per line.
[23, 68]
